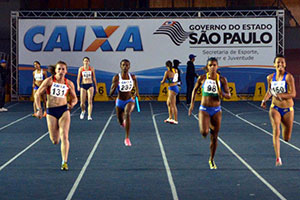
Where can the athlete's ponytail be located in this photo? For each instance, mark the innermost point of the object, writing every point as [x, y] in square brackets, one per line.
[51, 69]
[169, 64]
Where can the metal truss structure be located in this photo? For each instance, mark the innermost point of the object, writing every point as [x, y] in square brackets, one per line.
[16, 15]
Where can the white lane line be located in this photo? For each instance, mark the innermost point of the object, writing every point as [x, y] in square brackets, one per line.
[28, 147]
[87, 162]
[23, 151]
[16, 121]
[266, 110]
[263, 130]
[163, 154]
[280, 196]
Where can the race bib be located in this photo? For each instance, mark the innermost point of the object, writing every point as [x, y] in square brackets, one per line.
[210, 86]
[58, 90]
[175, 78]
[87, 74]
[38, 77]
[278, 87]
[125, 85]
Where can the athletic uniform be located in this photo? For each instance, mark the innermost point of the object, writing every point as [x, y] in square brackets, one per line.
[124, 86]
[38, 77]
[211, 88]
[58, 90]
[280, 87]
[86, 74]
[174, 88]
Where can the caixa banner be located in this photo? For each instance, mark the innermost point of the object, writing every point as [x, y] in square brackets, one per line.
[239, 44]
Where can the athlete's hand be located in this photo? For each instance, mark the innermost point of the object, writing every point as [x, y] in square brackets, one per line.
[78, 88]
[39, 114]
[278, 97]
[263, 104]
[191, 109]
[70, 107]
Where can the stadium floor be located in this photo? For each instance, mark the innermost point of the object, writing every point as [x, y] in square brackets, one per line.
[164, 162]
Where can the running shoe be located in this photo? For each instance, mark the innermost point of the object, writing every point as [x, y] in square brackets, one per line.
[64, 167]
[34, 115]
[174, 122]
[278, 162]
[212, 164]
[90, 118]
[127, 142]
[168, 120]
[3, 109]
[82, 114]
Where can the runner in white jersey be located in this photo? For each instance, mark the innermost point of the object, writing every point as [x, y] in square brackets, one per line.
[87, 74]
[38, 77]
[125, 102]
[214, 87]
[281, 87]
[58, 108]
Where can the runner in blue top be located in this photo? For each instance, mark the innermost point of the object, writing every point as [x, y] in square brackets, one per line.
[171, 76]
[125, 102]
[281, 87]
[214, 87]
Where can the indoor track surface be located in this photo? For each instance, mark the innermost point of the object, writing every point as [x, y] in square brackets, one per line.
[164, 162]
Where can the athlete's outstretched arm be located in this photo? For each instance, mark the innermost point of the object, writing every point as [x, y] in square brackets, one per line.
[268, 93]
[78, 78]
[73, 96]
[197, 86]
[94, 79]
[114, 85]
[136, 92]
[164, 78]
[226, 93]
[38, 95]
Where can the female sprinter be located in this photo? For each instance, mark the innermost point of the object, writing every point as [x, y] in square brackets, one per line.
[171, 76]
[38, 77]
[125, 102]
[58, 109]
[88, 78]
[281, 86]
[214, 87]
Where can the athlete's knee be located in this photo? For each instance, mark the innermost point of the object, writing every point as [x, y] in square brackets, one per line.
[168, 103]
[127, 115]
[204, 132]
[64, 137]
[214, 138]
[54, 140]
